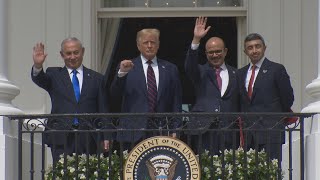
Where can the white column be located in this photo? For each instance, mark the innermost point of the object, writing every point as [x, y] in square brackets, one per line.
[312, 140]
[8, 91]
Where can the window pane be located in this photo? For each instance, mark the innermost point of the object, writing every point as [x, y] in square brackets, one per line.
[171, 3]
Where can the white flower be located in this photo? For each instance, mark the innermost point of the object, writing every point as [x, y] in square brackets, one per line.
[61, 160]
[72, 169]
[82, 176]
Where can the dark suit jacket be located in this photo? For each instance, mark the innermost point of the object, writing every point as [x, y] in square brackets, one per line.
[56, 81]
[208, 96]
[272, 92]
[131, 90]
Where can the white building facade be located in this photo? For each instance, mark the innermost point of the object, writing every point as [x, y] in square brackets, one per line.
[291, 29]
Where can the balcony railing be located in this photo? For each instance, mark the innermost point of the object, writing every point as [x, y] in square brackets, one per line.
[207, 134]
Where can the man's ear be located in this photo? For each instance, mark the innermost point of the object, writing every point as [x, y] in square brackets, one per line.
[245, 52]
[61, 54]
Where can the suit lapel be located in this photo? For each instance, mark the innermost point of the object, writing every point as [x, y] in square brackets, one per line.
[232, 76]
[65, 78]
[212, 75]
[162, 77]
[243, 76]
[85, 83]
[263, 72]
[139, 75]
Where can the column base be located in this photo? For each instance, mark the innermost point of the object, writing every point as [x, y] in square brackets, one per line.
[8, 92]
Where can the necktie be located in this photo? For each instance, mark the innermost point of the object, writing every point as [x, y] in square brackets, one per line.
[250, 86]
[218, 77]
[76, 89]
[152, 88]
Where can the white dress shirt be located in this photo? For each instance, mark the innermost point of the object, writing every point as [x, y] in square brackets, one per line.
[258, 66]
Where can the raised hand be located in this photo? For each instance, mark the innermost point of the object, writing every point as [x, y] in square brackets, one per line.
[126, 65]
[39, 55]
[200, 29]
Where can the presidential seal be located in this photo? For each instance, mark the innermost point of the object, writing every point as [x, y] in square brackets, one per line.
[162, 158]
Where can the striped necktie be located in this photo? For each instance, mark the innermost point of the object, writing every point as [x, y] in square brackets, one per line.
[152, 88]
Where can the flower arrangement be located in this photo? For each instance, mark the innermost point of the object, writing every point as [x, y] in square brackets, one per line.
[212, 166]
[83, 162]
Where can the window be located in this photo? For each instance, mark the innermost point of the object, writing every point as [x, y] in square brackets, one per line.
[119, 21]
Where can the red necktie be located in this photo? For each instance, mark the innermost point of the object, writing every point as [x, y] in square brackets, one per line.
[250, 86]
[152, 88]
[218, 77]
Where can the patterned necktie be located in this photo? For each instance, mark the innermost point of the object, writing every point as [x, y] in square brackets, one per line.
[250, 86]
[76, 89]
[218, 77]
[152, 88]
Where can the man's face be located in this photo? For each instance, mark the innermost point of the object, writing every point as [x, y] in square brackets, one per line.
[255, 50]
[72, 53]
[216, 52]
[148, 45]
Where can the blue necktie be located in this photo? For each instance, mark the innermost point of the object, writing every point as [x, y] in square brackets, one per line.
[76, 89]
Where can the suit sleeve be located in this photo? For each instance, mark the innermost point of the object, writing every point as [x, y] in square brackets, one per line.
[191, 65]
[117, 87]
[177, 104]
[103, 107]
[177, 92]
[42, 80]
[285, 89]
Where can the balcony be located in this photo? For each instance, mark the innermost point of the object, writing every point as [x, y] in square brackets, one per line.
[208, 135]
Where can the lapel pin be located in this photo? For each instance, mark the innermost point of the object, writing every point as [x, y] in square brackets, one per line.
[163, 67]
[264, 71]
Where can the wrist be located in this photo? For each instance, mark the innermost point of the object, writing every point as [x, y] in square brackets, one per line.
[196, 40]
[37, 66]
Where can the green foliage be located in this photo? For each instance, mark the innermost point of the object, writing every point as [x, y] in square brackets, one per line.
[81, 170]
[211, 166]
[254, 169]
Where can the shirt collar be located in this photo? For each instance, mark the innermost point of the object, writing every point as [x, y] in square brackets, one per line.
[144, 60]
[223, 66]
[259, 63]
[79, 69]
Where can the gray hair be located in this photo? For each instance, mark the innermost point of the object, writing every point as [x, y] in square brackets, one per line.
[71, 39]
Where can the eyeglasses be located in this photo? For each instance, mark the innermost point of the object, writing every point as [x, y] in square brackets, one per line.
[217, 52]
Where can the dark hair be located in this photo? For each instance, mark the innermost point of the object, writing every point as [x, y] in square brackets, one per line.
[254, 36]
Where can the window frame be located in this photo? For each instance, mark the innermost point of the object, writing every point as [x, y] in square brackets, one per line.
[99, 12]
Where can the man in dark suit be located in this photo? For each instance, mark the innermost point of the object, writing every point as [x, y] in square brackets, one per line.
[264, 87]
[215, 88]
[58, 82]
[146, 84]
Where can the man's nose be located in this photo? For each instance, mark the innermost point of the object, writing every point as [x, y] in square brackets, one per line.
[72, 56]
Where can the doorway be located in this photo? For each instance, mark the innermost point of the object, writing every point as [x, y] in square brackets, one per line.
[176, 34]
